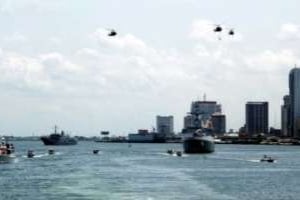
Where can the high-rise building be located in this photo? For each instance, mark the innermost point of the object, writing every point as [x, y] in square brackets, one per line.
[257, 118]
[294, 86]
[285, 117]
[201, 115]
[165, 125]
[218, 123]
[205, 109]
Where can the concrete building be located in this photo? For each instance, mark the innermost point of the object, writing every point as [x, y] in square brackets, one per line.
[285, 117]
[294, 87]
[257, 118]
[140, 138]
[218, 123]
[205, 109]
[165, 125]
[201, 114]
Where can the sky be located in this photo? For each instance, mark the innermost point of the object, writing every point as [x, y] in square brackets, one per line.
[58, 67]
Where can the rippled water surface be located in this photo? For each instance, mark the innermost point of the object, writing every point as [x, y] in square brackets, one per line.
[145, 171]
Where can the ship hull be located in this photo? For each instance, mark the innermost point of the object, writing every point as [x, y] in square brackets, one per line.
[198, 145]
[49, 141]
[6, 158]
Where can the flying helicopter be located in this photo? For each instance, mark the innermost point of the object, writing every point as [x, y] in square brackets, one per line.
[231, 32]
[218, 28]
[111, 33]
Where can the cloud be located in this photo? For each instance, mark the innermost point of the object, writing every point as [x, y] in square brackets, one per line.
[21, 72]
[289, 31]
[124, 44]
[16, 38]
[37, 6]
[57, 62]
[272, 61]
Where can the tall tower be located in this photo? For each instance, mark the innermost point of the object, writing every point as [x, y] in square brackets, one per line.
[294, 86]
[165, 125]
[285, 116]
[257, 117]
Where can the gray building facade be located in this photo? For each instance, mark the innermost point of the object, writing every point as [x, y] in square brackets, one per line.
[257, 118]
[285, 117]
[165, 125]
[294, 87]
[218, 123]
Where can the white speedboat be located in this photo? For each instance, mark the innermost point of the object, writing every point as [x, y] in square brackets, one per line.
[6, 152]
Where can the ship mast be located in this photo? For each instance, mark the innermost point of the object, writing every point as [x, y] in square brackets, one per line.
[55, 129]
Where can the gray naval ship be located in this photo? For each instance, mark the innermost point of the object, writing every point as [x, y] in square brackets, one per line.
[58, 139]
[195, 135]
[197, 141]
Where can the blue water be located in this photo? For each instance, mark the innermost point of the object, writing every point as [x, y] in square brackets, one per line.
[145, 171]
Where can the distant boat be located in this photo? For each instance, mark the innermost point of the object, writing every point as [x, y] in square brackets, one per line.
[58, 139]
[170, 151]
[179, 153]
[30, 154]
[6, 152]
[51, 151]
[267, 159]
[95, 151]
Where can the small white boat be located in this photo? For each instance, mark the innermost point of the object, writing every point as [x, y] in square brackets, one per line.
[6, 152]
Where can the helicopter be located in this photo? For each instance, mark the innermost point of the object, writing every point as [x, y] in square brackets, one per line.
[111, 33]
[231, 32]
[219, 29]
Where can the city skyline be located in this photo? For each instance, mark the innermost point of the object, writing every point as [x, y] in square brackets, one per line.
[58, 66]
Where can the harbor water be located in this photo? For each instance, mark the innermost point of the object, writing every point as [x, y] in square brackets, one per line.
[147, 172]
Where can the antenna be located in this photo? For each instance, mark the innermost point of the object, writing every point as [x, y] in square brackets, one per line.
[55, 129]
[204, 97]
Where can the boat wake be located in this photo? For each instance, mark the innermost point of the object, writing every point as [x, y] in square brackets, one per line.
[240, 159]
[253, 160]
[43, 155]
[173, 155]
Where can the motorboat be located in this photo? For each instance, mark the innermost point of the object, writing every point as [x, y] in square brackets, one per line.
[51, 151]
[30, 154]
[267, 159]
[170, 151]
[6, 152]
[179, 153]
[95, 151]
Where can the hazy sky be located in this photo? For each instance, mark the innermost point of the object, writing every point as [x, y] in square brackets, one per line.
[57, 66]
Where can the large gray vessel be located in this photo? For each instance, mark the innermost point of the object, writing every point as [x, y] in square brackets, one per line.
[196, 134]
[198, 142]
[58, 139]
